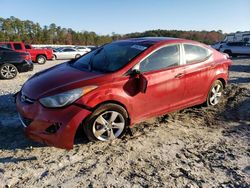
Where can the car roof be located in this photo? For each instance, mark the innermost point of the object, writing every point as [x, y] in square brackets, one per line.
[150, 40]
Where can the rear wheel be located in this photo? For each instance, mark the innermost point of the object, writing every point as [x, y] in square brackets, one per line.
[107, 122]
[41, 59]
[215, 93]
[8, 71]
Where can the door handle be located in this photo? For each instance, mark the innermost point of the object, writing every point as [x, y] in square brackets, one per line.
[179, 75]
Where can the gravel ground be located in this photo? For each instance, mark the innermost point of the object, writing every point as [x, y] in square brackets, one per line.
[195, 147]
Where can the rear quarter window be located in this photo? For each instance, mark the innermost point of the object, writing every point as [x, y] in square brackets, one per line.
[194, 53]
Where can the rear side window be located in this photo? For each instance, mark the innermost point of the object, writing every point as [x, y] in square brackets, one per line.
[27, 46]
[17, 46]
[195, 53]
[163, 58]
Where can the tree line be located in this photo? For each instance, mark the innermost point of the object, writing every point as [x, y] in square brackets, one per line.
[14, 29]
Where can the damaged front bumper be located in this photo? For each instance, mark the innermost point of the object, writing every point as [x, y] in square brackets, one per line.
[54, 127]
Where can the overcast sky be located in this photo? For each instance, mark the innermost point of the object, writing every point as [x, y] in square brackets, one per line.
[124, 16]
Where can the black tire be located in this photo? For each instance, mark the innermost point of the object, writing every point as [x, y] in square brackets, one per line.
[89, 123]
[53, 57]
[218, 94]
[8, 71]
[41, 59]
[77, 56]
[228, 52]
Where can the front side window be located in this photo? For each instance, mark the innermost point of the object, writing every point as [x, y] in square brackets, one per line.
[195, 53]
[163, 58]
[17, 46]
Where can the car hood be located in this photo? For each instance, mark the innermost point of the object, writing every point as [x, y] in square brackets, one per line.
[57, 79]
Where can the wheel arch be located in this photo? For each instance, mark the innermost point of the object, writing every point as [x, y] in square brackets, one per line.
[223, 81]
[114, 102]
[37, 55]
[220, 77]
[83, 121]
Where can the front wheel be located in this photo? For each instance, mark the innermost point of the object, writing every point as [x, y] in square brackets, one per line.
[8, 71]
[41, 59]
[215, 93]
[107, 122]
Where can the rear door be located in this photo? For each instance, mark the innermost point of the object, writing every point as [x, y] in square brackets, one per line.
[198, 69]
[246, 49]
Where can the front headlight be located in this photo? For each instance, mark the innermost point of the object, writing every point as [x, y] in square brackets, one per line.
[65, 98]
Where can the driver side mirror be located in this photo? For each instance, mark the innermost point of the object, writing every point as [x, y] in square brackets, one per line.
[142, 81]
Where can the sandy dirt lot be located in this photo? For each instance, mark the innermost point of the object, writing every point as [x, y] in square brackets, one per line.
[195, 147]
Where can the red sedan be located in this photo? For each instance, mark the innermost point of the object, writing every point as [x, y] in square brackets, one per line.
[118, 85]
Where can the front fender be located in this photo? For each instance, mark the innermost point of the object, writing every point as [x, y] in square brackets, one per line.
[116, 95]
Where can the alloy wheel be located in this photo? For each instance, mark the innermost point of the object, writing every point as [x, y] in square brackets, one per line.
[216, 94]
[8, 71]
[108, 125]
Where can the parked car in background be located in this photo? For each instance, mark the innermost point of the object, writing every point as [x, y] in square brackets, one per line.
[37, 55]
[117, 85]
[12, 62]
[67, 53]
[218, 45]
[83, 49]
[235, 49]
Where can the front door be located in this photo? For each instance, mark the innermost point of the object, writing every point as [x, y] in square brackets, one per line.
[165, 87]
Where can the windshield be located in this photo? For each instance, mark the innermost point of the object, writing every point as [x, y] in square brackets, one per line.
[110, 57]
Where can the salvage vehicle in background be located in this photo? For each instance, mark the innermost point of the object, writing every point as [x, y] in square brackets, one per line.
[12, 62]
[117, 85]
[235, 49]
[67, 53]
[37, 55]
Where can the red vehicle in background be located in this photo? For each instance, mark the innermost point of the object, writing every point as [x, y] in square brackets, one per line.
[37, 55]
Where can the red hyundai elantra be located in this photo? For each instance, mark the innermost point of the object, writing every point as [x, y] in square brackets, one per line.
[118, 85]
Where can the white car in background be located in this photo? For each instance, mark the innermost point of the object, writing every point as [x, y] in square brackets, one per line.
[83, 49]
[67, 53]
